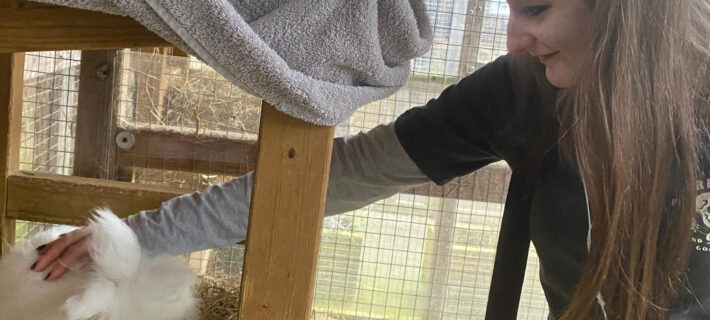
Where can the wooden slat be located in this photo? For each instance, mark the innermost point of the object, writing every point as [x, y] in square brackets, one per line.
[286, 217]
[40, 28]
[94, 148]
[189, 153]
[11, 77]
[69, 200]
[168, 150]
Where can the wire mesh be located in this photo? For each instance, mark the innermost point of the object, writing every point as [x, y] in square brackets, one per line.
[49, 111]
[49, 105]
[424, 254]
[27, 229]
[193, 128]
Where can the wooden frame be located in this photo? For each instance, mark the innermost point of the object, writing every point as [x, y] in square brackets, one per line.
[40, 28]
[93, 146]
[181, 151]
[288, 201]
[35, 196]
[11, 79]
[291, 177]
[189, 153]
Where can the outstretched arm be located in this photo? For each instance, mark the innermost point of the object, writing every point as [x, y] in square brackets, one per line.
[365, 168]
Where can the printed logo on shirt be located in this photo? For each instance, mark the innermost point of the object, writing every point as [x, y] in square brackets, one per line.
[701, 236]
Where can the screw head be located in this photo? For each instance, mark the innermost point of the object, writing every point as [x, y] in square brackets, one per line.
[125, 140]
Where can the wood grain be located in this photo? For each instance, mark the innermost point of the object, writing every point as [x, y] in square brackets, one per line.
[69, 199]
[11, 80]
[190, 153]
[218, 154]
[94, 148]
[287, 207]
[42, 28]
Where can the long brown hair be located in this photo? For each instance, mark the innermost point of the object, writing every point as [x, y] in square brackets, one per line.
[632, 123]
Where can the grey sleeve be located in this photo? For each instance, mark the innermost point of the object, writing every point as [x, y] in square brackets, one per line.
[365, 168]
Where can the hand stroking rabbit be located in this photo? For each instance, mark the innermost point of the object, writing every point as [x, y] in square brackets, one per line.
[121, 282]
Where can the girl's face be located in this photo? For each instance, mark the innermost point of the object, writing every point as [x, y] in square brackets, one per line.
[555, 31]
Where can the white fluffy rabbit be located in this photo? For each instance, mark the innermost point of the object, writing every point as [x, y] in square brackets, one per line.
[121, 283]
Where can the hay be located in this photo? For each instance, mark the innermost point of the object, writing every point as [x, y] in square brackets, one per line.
[219, 297]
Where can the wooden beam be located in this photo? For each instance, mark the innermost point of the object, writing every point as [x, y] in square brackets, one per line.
[41, 28]
[61, 199]
[94, 147]
[190, 153]
[11, 78]
[286, 217]
[182, 151]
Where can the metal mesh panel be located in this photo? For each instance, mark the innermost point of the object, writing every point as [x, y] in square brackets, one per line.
[49, 105]
[49, 111]
[424, 254]
[163, 98]
[26, 229]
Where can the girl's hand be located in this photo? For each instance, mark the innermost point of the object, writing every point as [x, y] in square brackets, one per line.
[66, 252]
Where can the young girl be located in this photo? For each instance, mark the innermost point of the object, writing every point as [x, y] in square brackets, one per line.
[601, 111]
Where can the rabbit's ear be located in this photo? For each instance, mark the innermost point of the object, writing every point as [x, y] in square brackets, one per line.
[93, 300]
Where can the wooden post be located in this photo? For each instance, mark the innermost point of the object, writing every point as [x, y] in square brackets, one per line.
[471, 37]
[94, 147]
[11, 77]
[286, 217]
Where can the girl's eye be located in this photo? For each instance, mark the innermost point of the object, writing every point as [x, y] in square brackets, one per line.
[535, 10]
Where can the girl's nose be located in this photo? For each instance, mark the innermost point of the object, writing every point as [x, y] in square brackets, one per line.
[519, 39]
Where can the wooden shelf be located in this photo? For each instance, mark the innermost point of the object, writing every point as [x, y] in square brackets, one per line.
[42, 28]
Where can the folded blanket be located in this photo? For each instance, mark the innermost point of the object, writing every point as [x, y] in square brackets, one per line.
[317, 60]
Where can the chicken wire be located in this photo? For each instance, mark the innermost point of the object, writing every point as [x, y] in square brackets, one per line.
[170, 97]
[50, 93]
[49, 111]
[422, 254]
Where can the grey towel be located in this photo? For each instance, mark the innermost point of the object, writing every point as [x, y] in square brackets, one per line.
[317, 60]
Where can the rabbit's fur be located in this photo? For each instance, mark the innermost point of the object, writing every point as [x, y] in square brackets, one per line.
[121, 283]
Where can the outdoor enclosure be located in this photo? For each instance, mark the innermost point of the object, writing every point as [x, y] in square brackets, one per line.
[163, 119]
